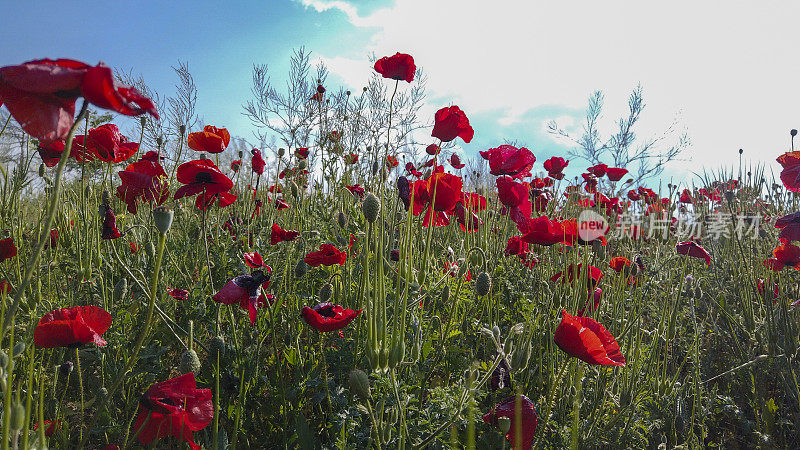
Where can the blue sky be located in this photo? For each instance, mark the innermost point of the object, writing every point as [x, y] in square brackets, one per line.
[726, 72]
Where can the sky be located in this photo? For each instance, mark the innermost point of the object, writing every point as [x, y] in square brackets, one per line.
[724, 71]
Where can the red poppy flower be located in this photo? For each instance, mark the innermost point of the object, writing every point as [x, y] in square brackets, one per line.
[41, 95]
[761, 285]
[7, 249]
[508, 408]
[281, 235]
[178, 294]
[615, 173]
[72, 327]
[447, 188]
[634, 196]
[51, 426]
[356, 190]
[432, 149]
[592, 302]
[554, 166]
[410, 168]
[593, 275]
[174, 408]
[327, 255]
[455, 161]
[143, 181]
[210, 140]
[784, 255]
[199, 176]
[398, 67]
[585, 339]
[450, 123]
[618, 263]
[5, 287]
[301, 152]
[280, 205]
[105, 143]
[686, 196]
[789, 226]
[598, 170]
[243, 290]
[351, 158]
[790, 175]
[223, 199]
[254, 260]
[391, 162]
[516, 246]
[257, 162]
[109, 230]
[513, 195]
[693, 249]
[541, 230]
[327, 317]
[509, 160]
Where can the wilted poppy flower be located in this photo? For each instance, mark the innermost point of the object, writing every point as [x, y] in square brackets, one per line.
[72, 327]
[593, 275]
[391, 161]
[201, 175]
[327, 255]
[394, 255]
[585, 339]
[174, 408]
[41, 95]
[508, 408]
[257, 162]
[223, 199]
[254, 260]
[143, 181]
[789, 226]
[686, 196]
[178, 294]
[432, 149]
[7, 249]
[790, 175]
[107, 144]
[280, 204]
[356, 190]
[351, 158]
[109, 230]
[328, 317]
[410, 168]
[509, 160]
[592, 302]
[210, 140]
[784, 255]
[281, 235]
[301, 152]
[615, 173]
[691, 248]
[398, 67]
[243, 290]
[450, 123]
[555, 166]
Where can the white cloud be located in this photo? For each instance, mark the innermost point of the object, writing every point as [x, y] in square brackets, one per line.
[730, 67]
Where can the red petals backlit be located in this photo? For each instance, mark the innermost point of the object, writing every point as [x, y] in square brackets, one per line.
[72, 327]
[508, 408]
[398, 67]
[280, 235]
[7, 249]
[585, 339]
[450, 123]
[691, 248]
[327, 255]
[210, 140]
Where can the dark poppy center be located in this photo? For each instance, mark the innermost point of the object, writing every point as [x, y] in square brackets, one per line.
[203, 177]
[326, 311]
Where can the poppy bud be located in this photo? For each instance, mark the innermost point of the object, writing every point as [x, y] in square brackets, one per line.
[202, 155]
[483, 284]
[150, 249]
[143, 121]
[102, 393]
[504, 423]
[359, 383]
[66, 368]
[364, 89]
[384, 359]
[397, 354]
[41, 170]
[325, 292]
[762, 233]
[598, 249]
[190, 362]
[375, 168]
[300, 269]
[181, 129]
[445, 294]
[216, 348]
[697, 292]
[159, 141]
[520, 357]
[88, 191]
[19, 348]
[302, 164]
[372, 357]
[17, 416]
[371, 207]
[341, 219]
[162, 216]
[281, 152]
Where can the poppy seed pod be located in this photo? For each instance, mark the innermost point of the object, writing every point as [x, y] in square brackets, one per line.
[190, 362]
[181, 129]
[302, 164]
[281, 152]
[359, 383]
[162, 216]
[300, 269]
[504, 423]
[371, 207]
[159, 141]
[445, 294]
[325, 293]
[143, 121]
[341, 219]
[483, 284]
[41, 170]
[17, 416]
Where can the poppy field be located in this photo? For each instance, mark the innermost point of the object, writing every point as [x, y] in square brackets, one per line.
[361, 283]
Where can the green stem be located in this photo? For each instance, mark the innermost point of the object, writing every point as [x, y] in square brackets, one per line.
[44, 234]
